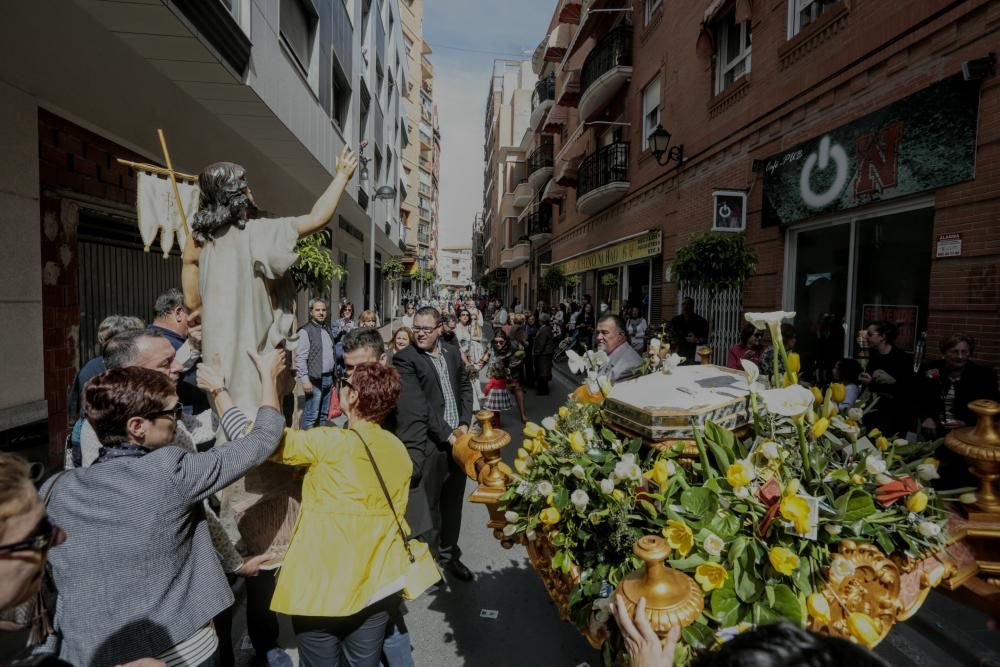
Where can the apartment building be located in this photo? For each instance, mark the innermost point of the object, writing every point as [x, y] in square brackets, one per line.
[455, 270]
[854, 144]
[506, 192]
[422, 157]
[278, 86]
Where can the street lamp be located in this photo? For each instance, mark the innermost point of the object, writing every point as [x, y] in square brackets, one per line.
[386, 192]
[659, 142]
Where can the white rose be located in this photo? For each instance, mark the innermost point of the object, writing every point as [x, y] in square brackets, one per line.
[883, 479]
[927, 471]
[770, 450]
[549, 424]
[928, 529]
[607, 486]
[523, 489]
[634, 473]
[840, 569]
[874, 465]
[967, 498]
[544, 488]
[509, 530]
[713, 544]
[855, 413]
[833, 528]
[900, 442]
[628, 458]
[577, 471]
[511, 517]
[741, 492]
[579, 498]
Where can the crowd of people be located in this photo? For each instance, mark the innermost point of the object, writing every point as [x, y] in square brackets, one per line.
[145, 560]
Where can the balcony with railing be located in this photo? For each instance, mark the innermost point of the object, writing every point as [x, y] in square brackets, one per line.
[523, 194]
[607, 68]
[542, 99]
[540, 164]
[517, 254]
[539, 223]
[602, 178]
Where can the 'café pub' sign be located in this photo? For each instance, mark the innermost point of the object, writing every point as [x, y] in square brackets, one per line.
[922, 142]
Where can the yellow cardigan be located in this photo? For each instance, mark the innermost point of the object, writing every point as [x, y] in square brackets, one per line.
[345, 552]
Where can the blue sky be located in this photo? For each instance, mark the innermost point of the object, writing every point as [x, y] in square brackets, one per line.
[509, 29]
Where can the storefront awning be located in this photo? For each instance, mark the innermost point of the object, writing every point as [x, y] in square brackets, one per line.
[555, 120]
[553, 192]
[636, 247]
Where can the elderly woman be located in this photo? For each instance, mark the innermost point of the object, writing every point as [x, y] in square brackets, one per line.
[140, 576]
[345, 567]
[948, 385]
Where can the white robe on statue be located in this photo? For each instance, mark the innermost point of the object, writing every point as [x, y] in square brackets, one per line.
[248, 303]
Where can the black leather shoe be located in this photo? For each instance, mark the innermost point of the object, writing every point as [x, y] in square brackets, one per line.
[458, 569]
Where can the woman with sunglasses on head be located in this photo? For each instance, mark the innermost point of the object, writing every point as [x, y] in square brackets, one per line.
[344, 571]
[151, 582]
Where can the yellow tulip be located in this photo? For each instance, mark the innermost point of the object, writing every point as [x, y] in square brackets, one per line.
[864, 628]
[819, 428]
[792, 488]
[857, 479]
[791, 378]
[917, 502]
[882, 442]
[834, 411]
[523, 453]
[740, 474]
[564, 412]
[796, 509]
[577, 442]
[817, 394]
[838, 392]
[618, 495]
[818, 607]
[679, 536]
[549, 516]
[660, 472]
[710, 576]
[794, 363]
[783, 560]
[522, 466]
[533, 430]
[874, 433]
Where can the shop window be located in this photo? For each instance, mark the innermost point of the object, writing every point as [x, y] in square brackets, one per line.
[732, 51]
[801, 13]
[298, 23]
[650, 8]
[650, 110]
[849, 274]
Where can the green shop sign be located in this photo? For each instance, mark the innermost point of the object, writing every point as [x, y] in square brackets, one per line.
[922, 142]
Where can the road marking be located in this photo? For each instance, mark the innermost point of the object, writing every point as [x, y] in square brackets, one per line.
[489, 613]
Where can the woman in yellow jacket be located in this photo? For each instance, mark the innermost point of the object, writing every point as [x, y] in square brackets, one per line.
[345, 566]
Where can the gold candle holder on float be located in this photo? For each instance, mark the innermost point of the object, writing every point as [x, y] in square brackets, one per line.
[705, 352]
[482, 463]
[979, 445]
[672, 597]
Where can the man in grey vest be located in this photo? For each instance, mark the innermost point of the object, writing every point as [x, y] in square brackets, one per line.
[315, 362]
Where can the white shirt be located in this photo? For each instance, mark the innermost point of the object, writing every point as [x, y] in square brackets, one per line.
[620, 362]
[637, 334]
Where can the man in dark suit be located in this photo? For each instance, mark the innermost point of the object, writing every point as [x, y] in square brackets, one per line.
[435, 407]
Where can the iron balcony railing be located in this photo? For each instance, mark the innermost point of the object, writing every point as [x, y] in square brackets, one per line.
[608, 165]
[540, 158]
[540, 221]
[545, 90]
[614, 50]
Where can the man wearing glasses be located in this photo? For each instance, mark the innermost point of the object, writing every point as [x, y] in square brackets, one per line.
[435, 406]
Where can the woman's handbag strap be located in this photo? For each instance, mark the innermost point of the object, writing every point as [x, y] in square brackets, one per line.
[388, 498]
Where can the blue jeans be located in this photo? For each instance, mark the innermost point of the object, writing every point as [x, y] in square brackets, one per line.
[396, 651]
[347, 641]
[318, 402]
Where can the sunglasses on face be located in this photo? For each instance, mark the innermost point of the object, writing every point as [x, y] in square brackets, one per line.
[344, 381]
[174, 412]
[424, 330]
[45, 536]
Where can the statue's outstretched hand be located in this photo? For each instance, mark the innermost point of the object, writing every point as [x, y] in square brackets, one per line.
[347, 162]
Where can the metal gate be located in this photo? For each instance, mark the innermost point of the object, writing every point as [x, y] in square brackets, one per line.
[723, 313]
[116, 276]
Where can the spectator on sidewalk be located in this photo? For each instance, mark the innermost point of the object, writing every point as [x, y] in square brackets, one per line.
[749, 347]
[315, 364]
[177, 325]
[543, 350]
[687, 331]
[636, 328]
[613, 341]
[110, 326]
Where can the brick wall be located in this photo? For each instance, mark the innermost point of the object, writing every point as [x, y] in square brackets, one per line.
[860, 57]
[74, 160]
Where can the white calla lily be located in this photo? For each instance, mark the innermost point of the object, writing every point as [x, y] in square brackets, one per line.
[775, 318]
[577, 364]
[792, 401]
[751, 371]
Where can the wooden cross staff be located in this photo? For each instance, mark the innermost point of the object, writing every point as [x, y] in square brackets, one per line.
[169, 173]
